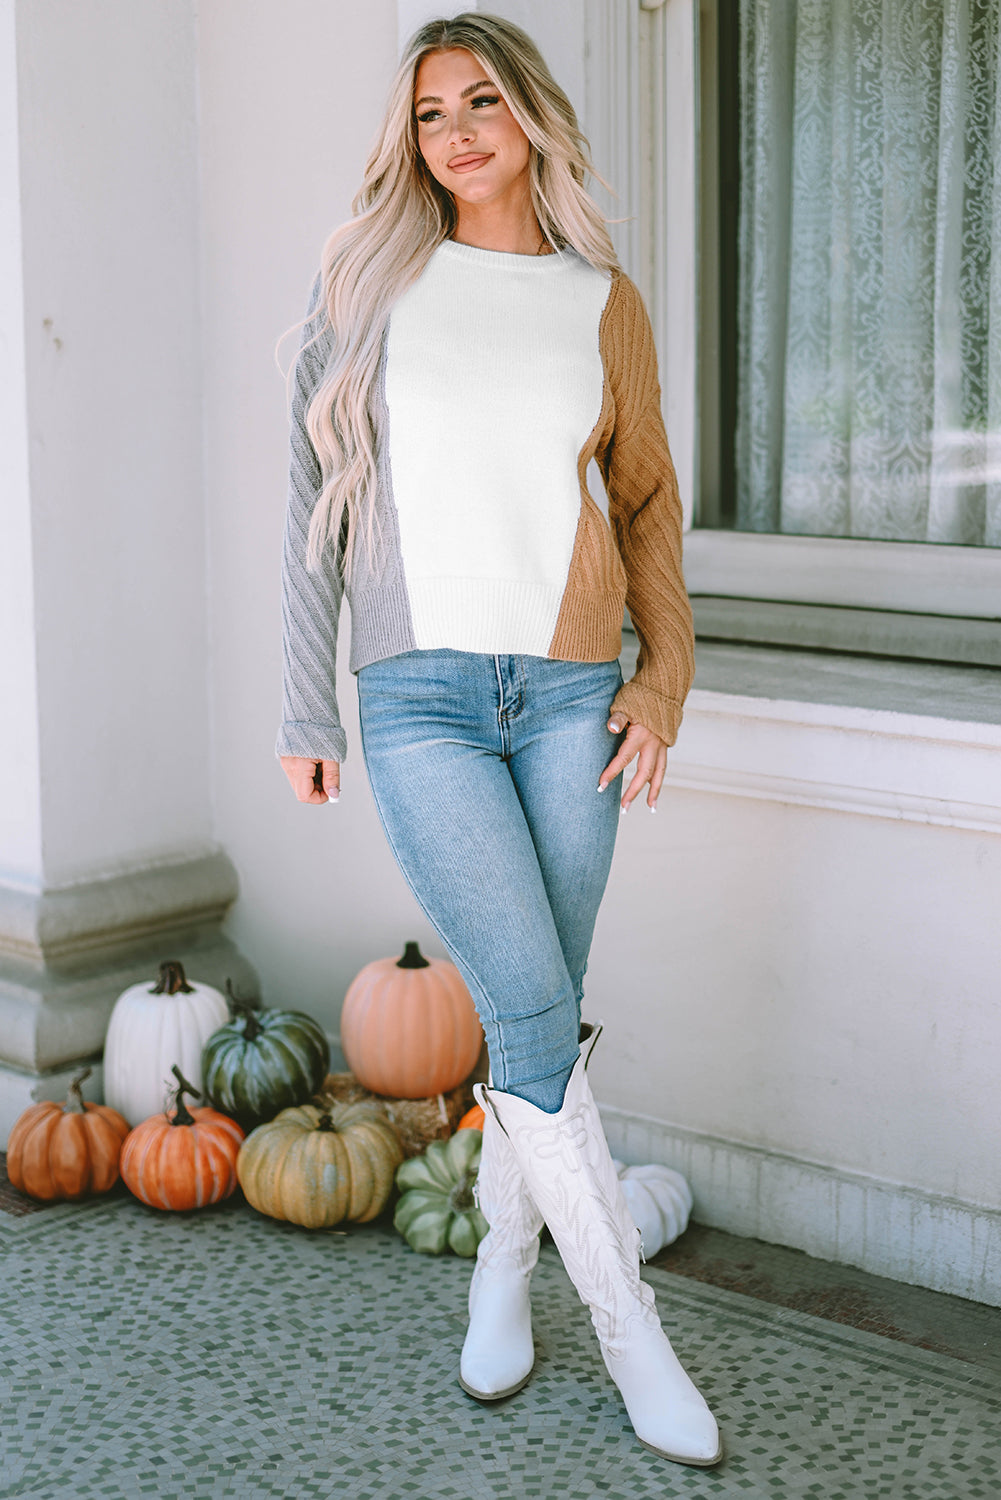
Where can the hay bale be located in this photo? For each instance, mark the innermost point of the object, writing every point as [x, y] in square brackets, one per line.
[417, 1122]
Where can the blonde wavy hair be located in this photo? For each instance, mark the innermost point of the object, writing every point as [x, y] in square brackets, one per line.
[400, 216]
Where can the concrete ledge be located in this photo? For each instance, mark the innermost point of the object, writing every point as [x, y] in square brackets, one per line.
[48, 1021]
[883, 1227]
[67, 954]
[102, 920]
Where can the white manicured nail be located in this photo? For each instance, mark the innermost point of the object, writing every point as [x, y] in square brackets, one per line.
[623, 811]
[333, 796]
[602, 785]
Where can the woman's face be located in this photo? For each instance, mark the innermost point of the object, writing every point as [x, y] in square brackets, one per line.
[467, 135]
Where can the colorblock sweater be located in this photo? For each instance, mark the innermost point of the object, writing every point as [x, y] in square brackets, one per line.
[501, 376]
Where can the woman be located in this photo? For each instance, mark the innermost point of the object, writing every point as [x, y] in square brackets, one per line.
[471, 344]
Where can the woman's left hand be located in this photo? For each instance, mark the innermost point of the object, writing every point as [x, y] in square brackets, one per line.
[652, 752]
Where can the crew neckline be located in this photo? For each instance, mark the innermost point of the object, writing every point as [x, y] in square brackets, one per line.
[504, 260]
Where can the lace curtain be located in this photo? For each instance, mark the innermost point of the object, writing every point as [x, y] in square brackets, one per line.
[869, 303]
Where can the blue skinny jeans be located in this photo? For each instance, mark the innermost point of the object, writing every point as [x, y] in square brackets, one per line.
[485, 772]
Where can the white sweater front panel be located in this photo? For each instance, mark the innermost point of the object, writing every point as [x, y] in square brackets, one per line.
[494, 382]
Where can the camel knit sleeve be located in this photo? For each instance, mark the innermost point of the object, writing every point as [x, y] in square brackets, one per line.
[646, 517]
[311, 600]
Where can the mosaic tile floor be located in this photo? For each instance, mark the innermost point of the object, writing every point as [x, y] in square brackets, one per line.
[217, 1354]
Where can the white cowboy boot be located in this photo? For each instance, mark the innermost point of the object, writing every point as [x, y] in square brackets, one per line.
[498, 1353]
[569, 1173]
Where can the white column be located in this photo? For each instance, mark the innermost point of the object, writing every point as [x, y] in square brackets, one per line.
[20, 813]
[108, 856]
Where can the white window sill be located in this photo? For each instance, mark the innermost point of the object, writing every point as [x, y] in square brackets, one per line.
[902, 740]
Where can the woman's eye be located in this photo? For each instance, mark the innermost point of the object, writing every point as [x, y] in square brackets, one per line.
[428, 116]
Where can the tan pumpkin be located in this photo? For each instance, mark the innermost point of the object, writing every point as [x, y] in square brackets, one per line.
[66, 1151]
[317, 1165]
[185, 1159]
[409, 1028]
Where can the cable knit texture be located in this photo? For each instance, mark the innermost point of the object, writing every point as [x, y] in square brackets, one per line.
[311, 600]
[642, 566]
[538, 345]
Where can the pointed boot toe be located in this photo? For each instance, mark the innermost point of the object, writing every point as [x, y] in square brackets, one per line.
[668, 1412]
[703, 1453]
[498, 1353]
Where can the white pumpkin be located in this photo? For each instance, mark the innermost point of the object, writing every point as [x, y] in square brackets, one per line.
[660, 1202]
[152, 1027]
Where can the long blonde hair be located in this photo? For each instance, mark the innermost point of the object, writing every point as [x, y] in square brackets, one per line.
[400, 216]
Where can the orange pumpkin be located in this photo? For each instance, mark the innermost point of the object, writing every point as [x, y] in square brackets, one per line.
[409, 1028]
[472, 1119]
[66, 1150]
[185, 1159]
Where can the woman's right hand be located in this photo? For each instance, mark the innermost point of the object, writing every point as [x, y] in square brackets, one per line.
[316, 781]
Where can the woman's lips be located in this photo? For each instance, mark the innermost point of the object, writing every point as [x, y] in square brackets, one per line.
[468, 163]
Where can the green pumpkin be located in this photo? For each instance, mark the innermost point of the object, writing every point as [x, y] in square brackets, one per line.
[437, 1207]
[263, 1061]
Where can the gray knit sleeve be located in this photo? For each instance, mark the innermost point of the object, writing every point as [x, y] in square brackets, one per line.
[311, 601]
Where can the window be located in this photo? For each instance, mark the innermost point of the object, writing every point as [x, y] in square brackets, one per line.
[850, 326]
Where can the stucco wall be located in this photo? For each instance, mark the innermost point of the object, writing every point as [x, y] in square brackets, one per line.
[809, 982]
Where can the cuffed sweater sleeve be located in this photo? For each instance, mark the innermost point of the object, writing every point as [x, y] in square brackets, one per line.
[646, 517]
[311, 600]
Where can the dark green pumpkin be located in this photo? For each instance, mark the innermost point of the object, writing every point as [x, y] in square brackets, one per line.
[263, 1061]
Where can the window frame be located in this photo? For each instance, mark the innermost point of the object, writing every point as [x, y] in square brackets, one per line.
[928, 580]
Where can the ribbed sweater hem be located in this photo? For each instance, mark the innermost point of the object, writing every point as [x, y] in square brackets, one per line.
[485, 614]
[312, 741]
[380, 624]
[482, 615]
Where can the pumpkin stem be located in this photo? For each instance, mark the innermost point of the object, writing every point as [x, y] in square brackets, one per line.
[74, 1097]
[325, 1122]
[182, 1115]
[412, 958]
[246, 1011]
[172, 980]
[461, 1199]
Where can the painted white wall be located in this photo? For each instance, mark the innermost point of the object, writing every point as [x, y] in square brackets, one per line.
[20, 809]
[108, 225]
[807, 981]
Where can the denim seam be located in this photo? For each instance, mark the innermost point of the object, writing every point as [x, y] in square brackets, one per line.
[503, 732]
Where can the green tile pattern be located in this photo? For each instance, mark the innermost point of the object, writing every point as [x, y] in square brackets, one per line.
[214, 1354]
